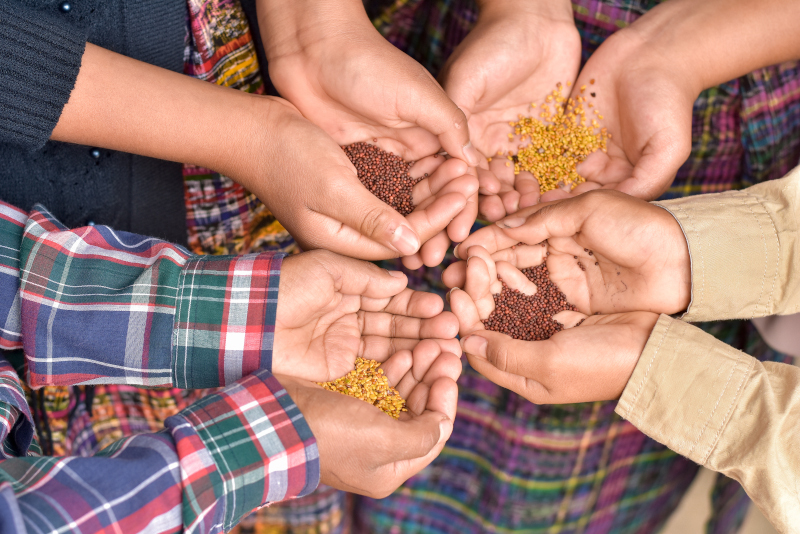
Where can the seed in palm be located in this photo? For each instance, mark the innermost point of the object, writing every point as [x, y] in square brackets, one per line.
[384, 174]
[368, 383]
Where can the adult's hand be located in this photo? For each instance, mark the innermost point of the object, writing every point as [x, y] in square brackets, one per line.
[588, 362]
[514, 57]
[332, 309]
[634, 254]
[363, 450]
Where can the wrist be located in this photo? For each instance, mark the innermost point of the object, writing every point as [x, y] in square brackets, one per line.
[291, 27]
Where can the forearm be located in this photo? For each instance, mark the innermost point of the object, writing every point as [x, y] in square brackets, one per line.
[744, 251]
[722, 409]
[123, 104]
[714, 41]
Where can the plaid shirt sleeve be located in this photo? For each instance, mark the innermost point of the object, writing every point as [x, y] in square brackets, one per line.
[96, 306]
[214, 463]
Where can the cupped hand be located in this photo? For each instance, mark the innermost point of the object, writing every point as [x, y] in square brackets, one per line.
[646, 105]
[308, 182]
[363, 450]
[327, 58]
[591, 359]
[332, 309]
[513, 57]
[634, 254]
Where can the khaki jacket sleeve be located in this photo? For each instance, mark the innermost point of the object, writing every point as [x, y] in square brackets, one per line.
[722, 409]
[744, 249]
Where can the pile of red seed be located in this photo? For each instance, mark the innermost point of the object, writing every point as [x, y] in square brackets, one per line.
[527, 317]
[384, 174]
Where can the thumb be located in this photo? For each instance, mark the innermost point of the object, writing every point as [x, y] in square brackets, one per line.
[655, 170]
[352, 204]
[504, 353]
[435, 112]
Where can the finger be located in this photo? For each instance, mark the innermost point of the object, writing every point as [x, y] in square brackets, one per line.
[559, 219]
[397, 366]
[460, 226]
[491, 208]
[434, 250]
[504, 171]
[416, 437]
[413, 262]
[514, 278]
[353, 205]
[569, 318]
[464, 308]
[492, 238]
[415, 304]
[528, 188]
[510, 201]
[455, 275]
[442, 176]
[424, 167]
[522, 256]
[488, 183]
[355, 277]
[434, 218]
[423, 357]
[435, 112]
[478, 286]
[389, 325]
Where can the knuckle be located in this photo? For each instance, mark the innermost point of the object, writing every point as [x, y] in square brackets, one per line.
[500, 357]
[374, 220]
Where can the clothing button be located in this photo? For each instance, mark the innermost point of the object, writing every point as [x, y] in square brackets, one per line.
[90, 223]
[65, 7]
[95, 153]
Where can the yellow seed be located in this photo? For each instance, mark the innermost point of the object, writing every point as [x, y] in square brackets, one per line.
[368, 382]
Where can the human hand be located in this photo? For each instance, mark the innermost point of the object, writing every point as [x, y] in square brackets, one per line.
[634, 254]
[332, 309]
[308, 182]
[646, 105]
[514, 56]
[364, 451]
[589, 362]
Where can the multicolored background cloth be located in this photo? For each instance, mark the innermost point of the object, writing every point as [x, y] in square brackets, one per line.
[510, 466]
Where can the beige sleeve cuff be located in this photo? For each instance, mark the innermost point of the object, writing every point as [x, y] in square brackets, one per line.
[742, 250]
[723, 409]
[684, 388]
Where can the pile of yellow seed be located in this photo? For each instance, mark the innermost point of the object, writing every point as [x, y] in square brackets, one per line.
[368, 383]
[559, 139]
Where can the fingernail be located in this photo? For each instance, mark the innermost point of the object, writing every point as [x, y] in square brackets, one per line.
[475, 345]
[444, 430]
[405, 241]
[471, 153]
[447, 296]
[455, 250]
[396, 274]
[514, 222]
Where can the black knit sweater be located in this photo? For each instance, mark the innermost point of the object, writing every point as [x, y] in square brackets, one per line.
[41, 45]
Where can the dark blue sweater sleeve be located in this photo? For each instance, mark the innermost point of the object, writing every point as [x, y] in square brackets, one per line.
[40, 56]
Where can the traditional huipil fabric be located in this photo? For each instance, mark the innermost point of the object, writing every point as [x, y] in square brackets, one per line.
[69, 298]
[511, 466]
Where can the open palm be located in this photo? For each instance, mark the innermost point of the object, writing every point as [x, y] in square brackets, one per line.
[506, 63]
[332, 309]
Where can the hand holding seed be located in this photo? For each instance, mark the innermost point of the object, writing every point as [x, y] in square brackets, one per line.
[427, 192]
[608, 252]
[332, 309]
[364, 451]
[512, 58]
[646, 108]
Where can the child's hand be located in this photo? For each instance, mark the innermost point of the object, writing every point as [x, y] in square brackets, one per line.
[634, 254]
[647, 108]
[308, 182]
[514, 56]
[363, 450]
[589, 362]
[332, 309]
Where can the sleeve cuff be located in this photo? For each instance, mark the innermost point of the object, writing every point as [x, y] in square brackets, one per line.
[39, 70]
[684, 388]
[225, 318]
[255, 438]
[734, 243]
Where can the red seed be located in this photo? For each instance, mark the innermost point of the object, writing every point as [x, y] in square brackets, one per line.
[384, 175]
